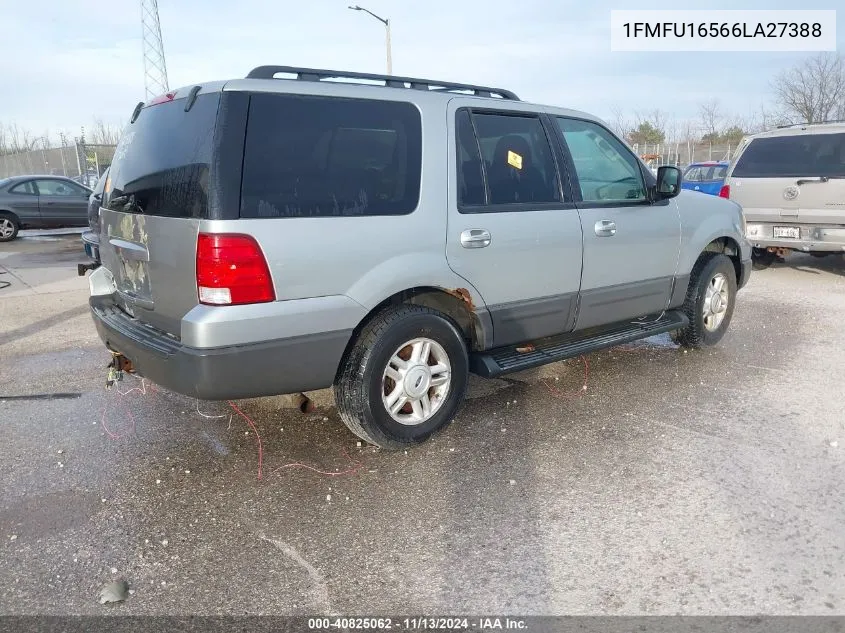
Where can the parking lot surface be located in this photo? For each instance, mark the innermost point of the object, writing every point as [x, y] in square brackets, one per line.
[640, 480]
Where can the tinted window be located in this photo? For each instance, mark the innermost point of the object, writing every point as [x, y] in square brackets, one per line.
[471, 190]
[161, 164]
[24, 188]
[607, 171]
[60, 188]
[323, 156]
[793, 156]
[517, 159]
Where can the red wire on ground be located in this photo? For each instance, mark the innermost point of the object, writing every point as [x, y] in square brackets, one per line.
[559, 394]
[257, 436]
[350, 471]
[106, 428]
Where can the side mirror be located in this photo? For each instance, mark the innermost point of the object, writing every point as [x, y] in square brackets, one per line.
[668, 181]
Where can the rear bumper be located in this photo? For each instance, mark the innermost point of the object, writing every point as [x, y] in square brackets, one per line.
[813, 237]
[291, 365]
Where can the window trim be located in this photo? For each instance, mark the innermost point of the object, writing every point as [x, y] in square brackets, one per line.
[24, 193]
[565, 203]
[648, 180]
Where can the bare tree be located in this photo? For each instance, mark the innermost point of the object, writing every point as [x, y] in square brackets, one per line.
[711, 118]
[620, 123]
[103, 133]
[813, 91]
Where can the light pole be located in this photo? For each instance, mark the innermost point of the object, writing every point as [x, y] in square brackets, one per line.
[387, 30]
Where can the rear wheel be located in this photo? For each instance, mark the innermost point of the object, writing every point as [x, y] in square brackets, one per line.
[404, 378]
[761, 258]
[709, 305]
[9, 227]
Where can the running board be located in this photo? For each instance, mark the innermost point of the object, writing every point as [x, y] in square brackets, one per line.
[511, 358]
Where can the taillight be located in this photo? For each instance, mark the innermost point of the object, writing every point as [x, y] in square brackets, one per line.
[231, 270]
[725, 191]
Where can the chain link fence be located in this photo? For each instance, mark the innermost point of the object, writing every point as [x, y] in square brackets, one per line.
[682, 154]
[84, 163]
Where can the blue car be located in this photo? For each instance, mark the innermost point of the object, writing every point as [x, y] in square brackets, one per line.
[707, 177]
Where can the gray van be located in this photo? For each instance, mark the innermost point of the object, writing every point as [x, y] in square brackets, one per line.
[387, 236]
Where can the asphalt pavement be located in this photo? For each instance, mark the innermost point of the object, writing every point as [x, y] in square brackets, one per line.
[640, 480]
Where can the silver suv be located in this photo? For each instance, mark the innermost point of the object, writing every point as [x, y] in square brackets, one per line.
[791, 184]
[287, 232]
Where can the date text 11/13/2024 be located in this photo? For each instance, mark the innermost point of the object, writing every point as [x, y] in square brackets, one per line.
[418, 624]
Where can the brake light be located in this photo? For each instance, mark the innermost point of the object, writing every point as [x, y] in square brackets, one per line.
[167, 96]
[725, 191]
[231, 270]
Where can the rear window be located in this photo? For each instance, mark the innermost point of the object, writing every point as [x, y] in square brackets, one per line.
[161, 164]
[793, 156]
[326, 156]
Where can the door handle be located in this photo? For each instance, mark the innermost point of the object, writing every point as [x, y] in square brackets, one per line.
[475, 238]
[605, 228]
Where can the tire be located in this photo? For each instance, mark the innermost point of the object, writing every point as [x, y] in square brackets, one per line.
[701, 331]
[363, 389]
[9, 227]
[761, 259]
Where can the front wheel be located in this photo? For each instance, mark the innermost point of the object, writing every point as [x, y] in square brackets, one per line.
[404, 377]
[709, 304]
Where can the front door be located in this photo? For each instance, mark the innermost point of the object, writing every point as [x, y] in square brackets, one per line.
[631, 246]
[513, 231]
[62, 202]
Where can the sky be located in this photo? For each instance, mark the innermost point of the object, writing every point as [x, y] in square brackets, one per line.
[65, 63]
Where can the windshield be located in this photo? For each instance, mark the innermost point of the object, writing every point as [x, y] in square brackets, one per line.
[793, 156]
[161, 164]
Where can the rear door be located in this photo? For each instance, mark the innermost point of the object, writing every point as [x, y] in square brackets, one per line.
[62, 202]
[513, 231]
[631, 245]
[158, 192]
[792, 179]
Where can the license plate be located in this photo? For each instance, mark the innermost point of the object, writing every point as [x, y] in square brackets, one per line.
[792, 232]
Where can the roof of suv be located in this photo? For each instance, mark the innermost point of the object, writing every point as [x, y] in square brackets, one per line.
[320, 81]
[802, 128]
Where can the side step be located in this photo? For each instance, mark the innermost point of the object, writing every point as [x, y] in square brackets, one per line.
[504, 360]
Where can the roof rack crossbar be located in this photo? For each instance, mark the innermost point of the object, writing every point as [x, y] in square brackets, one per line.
[391, 81]
[788, 125]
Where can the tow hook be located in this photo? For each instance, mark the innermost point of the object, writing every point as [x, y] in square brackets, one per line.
[118, 365]
[81, 269]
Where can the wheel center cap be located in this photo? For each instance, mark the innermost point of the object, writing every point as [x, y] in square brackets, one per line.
[716, 303]
[417, 381]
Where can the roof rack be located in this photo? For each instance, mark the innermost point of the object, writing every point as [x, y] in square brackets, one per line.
[781, 127]
[390, 81]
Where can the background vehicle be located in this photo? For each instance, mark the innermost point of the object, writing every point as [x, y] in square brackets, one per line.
[41, 202]
[791, 185]
[272, 236]
[707, 177]
[91, 239]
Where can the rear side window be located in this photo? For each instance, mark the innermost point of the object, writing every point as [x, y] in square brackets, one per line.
[693, 174]
[161, 164]
[26, 188]
[327, 156]
[793, 156]
[517, 159]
